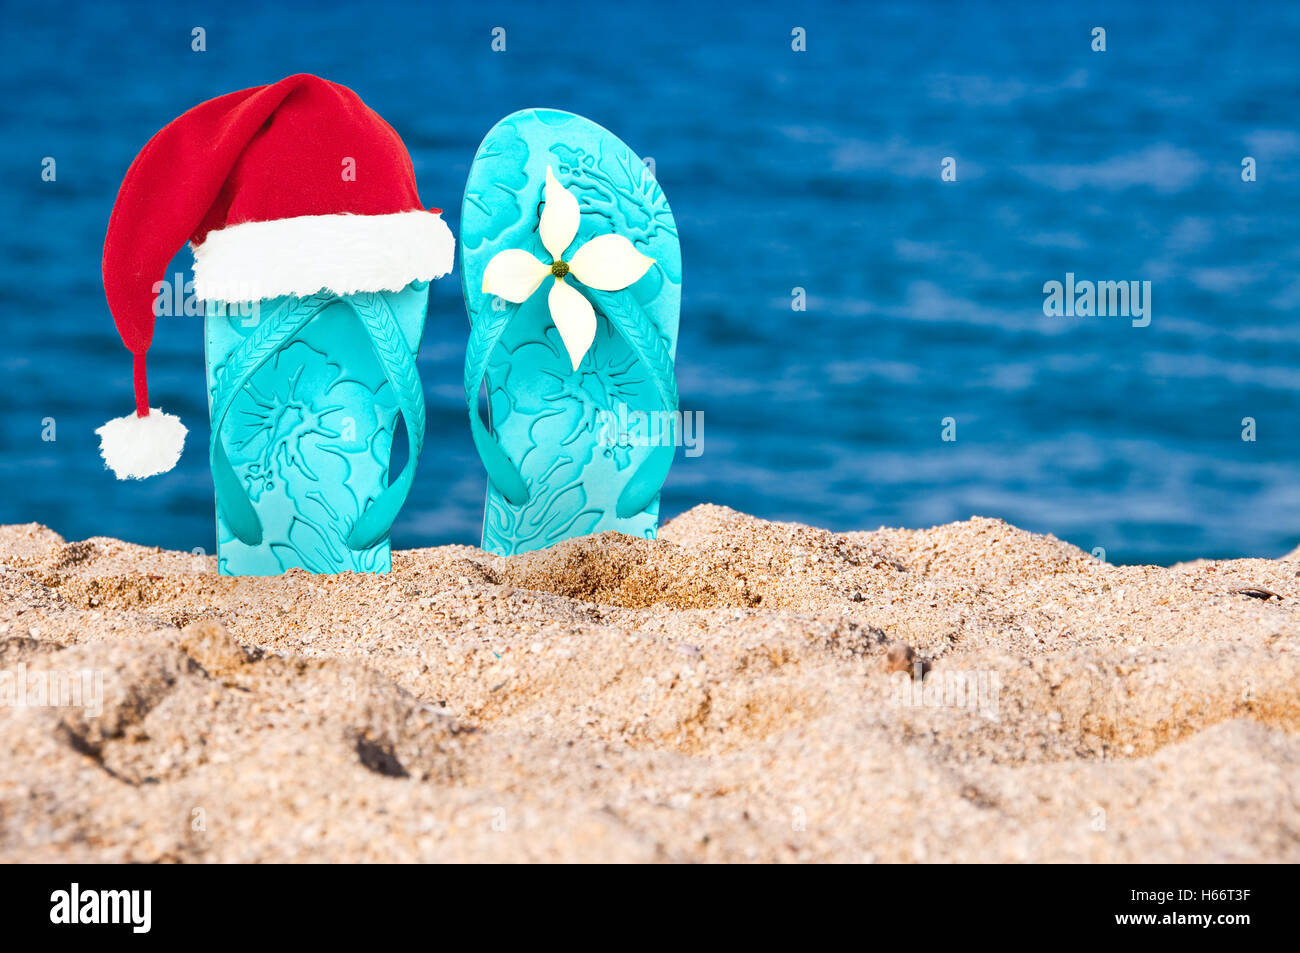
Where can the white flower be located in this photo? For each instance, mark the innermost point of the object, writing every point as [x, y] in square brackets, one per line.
[606, 263]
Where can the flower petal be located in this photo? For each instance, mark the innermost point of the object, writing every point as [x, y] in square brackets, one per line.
[513, 274]
[559, 217]
[609, 263]
[574, 318]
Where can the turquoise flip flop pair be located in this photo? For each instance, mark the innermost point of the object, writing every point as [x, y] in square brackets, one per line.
[571, 271]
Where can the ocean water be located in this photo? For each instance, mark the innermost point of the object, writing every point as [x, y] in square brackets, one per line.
[817, 170]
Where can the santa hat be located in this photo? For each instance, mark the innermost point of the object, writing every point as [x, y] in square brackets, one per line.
[288, 189]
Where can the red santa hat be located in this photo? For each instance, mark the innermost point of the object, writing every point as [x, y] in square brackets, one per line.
[288, 189]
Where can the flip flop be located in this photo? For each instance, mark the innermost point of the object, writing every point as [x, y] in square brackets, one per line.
[313, 253]
[304, 402]
[582, 400]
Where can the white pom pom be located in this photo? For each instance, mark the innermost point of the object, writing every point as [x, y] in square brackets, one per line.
[138, 447]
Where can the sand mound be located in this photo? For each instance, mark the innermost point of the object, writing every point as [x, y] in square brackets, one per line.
[736, 690]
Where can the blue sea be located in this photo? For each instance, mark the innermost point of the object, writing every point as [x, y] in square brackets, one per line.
[808, 177]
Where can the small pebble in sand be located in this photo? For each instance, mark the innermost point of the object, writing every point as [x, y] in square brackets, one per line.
[1257, 592]
[900, 657]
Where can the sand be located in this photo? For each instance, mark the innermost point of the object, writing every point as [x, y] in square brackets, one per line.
[737, 690]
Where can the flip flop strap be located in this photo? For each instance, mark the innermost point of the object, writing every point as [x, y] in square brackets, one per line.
[631, 321]
[399, 367]
[486, 327]
[273, 333]
[623, 311]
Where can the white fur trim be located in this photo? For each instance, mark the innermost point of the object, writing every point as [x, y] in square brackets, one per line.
[341, 254]
[138, 447]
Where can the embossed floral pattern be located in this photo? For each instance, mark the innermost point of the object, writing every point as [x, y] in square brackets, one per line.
[605, 263]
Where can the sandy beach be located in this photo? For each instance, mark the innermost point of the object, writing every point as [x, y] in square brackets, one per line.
[737, 690]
